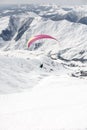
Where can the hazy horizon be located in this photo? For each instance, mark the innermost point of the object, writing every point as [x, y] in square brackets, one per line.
[59, 2]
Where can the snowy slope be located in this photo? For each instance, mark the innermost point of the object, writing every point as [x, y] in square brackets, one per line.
[55, 103]
[24, 70]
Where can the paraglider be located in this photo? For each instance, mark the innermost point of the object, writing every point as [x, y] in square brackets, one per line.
[38, 37]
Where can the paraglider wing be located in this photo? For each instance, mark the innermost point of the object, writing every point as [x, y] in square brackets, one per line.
[38, 37]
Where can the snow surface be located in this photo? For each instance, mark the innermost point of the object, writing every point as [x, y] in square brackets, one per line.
[55, 103]
[53, 96]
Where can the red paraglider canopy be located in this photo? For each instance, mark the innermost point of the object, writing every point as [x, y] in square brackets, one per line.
[38, 37]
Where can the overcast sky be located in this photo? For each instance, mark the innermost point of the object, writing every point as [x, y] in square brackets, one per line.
[59, 2]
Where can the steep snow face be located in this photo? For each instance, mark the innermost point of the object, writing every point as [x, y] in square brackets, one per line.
[23, 28]
[4, 21]
[10, 31]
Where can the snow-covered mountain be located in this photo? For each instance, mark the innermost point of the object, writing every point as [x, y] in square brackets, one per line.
[67, 24]
[50, 75]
